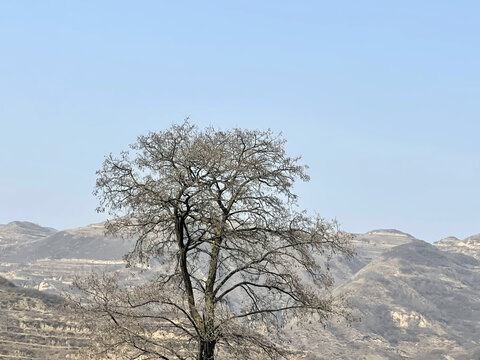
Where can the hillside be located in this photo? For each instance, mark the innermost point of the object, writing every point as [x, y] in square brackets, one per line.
[469, 246]
[415, 300]
[368, 246]
[48, 260]
[34, 325]
[87, 242]
[21, 233]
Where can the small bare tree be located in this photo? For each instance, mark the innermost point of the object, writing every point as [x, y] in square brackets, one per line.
[216, 208]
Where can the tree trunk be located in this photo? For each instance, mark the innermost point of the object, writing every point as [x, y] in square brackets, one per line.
[206, 350]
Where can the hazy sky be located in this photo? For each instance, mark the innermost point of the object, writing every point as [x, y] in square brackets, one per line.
[381, 98]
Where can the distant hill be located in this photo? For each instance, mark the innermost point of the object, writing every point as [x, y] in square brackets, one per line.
[389, 232]
[47, 259]
[469, 246]
[88, 242]
[368, 246]
[415, 302]
[22, 232]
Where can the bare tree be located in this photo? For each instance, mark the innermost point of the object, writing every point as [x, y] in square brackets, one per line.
[216, 208]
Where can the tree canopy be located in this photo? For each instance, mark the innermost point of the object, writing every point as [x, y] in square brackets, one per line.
[218, 211]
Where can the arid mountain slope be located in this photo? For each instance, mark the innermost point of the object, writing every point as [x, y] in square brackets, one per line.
[50, 259]
[33, 325]
[368, 246]
[469, 246]
[415, 302]
[20, 233]
[88, 242]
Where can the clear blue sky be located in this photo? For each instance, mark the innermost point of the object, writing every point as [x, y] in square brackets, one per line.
[381, 98]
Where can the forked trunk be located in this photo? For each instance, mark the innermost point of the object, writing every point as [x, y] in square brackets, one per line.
[206, 350]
